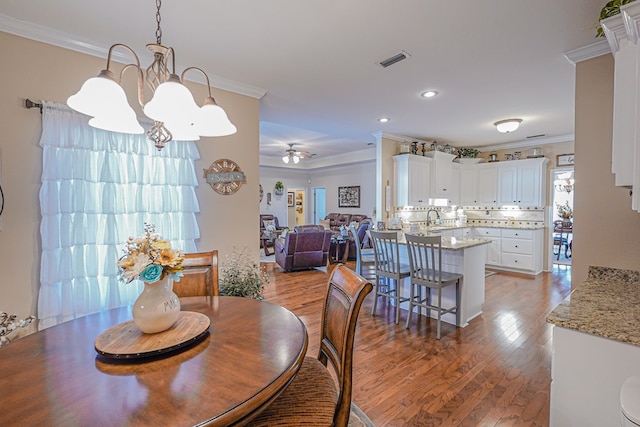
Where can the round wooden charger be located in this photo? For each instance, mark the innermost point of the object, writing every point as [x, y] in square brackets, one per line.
[126, 341]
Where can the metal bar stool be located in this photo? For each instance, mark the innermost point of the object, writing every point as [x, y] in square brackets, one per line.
[389, 270]
[425, 260]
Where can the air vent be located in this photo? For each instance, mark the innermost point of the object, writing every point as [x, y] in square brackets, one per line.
[536, 136]
[394, 59]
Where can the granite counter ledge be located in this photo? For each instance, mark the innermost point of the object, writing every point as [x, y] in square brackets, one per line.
[606, 305]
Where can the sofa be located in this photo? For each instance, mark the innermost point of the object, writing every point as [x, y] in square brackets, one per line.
[303, 250]
[337, 219]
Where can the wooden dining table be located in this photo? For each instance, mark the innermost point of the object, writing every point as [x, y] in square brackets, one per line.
[55, 377]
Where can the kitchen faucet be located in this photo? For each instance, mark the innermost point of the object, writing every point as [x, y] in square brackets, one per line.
[429, 216]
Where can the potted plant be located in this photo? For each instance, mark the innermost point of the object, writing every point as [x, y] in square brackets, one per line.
[241, 277]
[610, 9]
[279, 189]
[565, 212]
[471, 153]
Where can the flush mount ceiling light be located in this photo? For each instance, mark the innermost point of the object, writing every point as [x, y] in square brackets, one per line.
[384, 119]
[172, 107]
[508, 125]
[429, 94]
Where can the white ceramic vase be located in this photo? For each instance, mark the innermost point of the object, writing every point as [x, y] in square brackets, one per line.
[157, 308]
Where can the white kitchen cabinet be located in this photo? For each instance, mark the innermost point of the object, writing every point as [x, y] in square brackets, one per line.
[494, 249]
[587, 372]
[479, 184]
[513, 249]
[412, 174]
[621, 31]
[443, 179]
[521, 182]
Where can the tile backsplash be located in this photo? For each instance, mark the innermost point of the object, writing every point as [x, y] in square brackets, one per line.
[495, 216]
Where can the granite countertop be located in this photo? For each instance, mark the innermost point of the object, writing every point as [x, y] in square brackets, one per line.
[607, 305]
[452, 243]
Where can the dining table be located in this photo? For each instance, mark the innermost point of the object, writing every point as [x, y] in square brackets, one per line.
[57, 377]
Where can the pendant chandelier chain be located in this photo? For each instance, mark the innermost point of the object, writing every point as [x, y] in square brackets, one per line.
[158, 19]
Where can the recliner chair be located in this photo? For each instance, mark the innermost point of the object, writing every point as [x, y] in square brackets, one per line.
[305, 250]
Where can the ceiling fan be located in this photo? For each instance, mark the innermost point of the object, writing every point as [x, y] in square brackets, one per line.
[295, 156]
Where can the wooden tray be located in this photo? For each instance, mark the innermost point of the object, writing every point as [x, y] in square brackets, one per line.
[126, 341]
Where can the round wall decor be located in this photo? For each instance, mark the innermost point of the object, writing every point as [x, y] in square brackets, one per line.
[261, 193]
[225, 176]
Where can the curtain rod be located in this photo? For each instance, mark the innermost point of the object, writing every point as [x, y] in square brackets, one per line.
[30, 104]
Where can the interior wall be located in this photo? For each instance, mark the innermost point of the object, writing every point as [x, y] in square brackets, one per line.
[606, 230]
[39, 71]
[362, 175]
[293, 179]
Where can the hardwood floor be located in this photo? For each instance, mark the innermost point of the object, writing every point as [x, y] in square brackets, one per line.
[494, 372]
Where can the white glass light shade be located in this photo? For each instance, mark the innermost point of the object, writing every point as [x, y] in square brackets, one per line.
[508, 125]
[99, 94]
[172, 102]
[104, 99]
[123, 123]
[182, 131]
[296, 159]
[285, 159]
[213, 121]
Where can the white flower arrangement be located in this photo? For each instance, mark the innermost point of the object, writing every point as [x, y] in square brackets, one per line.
[149, 258]
[8, 324]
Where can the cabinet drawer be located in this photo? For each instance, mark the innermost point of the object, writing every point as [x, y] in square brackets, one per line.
[515, 233]
[510, 260]
[517, 246]
[488, 232]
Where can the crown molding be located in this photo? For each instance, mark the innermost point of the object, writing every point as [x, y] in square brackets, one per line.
[535, 142]
[350, 158]
[593, 50]
[53, 37]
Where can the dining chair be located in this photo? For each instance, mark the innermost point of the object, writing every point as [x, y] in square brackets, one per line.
[425, 260]
[389, 271]
[200, 275]
[312, 397]
[365, 258]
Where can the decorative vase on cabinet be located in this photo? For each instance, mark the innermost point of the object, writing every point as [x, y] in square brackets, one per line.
[157, 308]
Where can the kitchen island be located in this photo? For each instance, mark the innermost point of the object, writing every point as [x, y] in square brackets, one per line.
[464, 255]
[596, 347]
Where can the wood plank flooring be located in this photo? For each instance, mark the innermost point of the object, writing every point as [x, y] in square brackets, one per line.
[494, 372]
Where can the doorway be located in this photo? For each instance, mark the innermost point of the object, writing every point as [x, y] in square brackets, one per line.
[319, 204]
[561, 215]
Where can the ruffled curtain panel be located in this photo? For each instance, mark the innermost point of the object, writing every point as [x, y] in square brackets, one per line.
[98, 189]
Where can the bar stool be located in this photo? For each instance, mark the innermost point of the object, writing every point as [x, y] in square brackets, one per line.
[365, 258]
[425, 261]
[389, 270]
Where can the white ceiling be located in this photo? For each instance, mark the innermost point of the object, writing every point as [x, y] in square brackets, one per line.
[316, 61]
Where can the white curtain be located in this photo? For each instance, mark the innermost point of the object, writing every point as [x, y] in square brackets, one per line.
[99, 188]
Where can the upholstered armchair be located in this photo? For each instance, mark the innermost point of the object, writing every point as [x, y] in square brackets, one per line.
[303, 250]
[266, 219]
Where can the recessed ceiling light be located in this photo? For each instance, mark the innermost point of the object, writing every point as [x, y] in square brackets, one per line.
[429, 94]
[384, 119]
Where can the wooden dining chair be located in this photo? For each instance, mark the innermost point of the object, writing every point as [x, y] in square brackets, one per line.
[425, 260]
[312, 398]
[200, 275]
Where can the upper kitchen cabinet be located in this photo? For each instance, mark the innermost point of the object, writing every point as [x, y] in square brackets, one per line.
[479, 184]
[444, 178]
[622, 34]
[521, 182]
[411, 176]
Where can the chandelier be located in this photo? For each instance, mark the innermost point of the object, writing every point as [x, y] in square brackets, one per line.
[564, 182]
[172, 107]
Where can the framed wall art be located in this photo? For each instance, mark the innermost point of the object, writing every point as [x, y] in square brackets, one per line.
[565, 160]
[349, 197]
[290, 198]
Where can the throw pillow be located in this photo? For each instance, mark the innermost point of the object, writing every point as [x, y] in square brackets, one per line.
[326, 223]
[269, 224]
